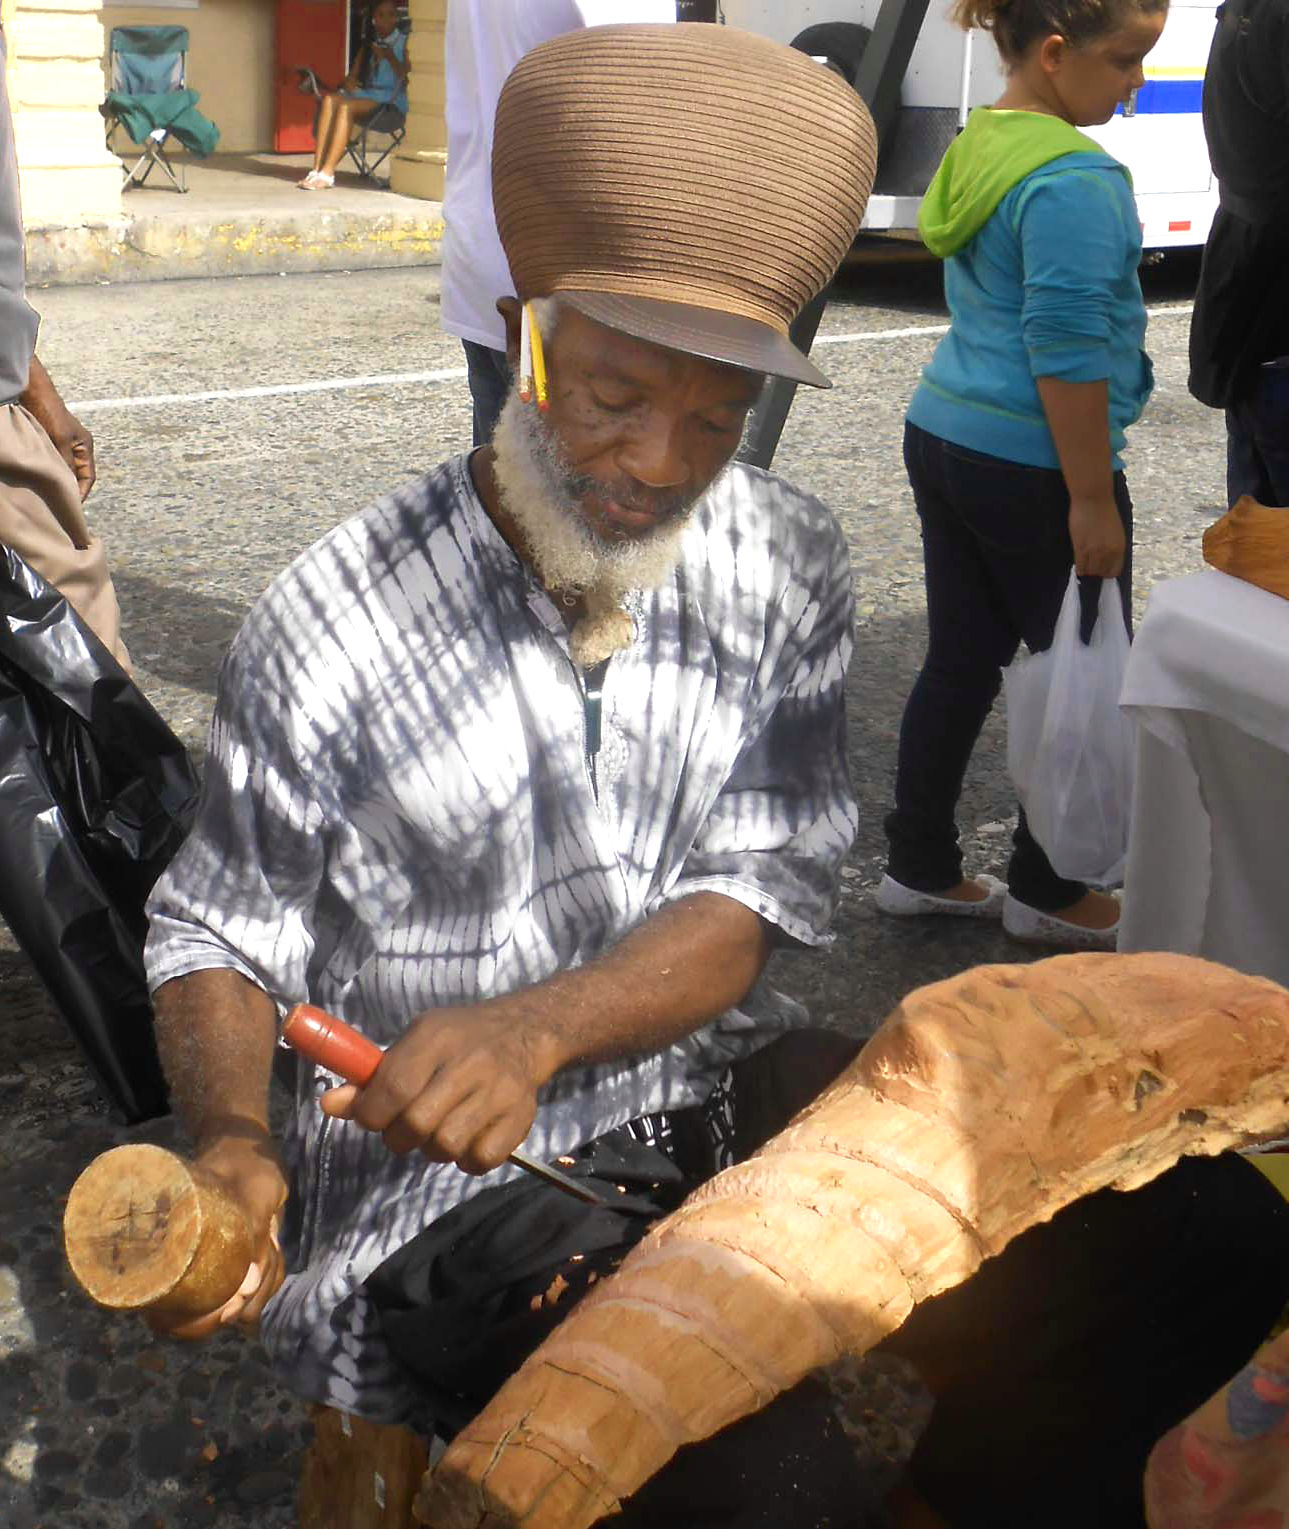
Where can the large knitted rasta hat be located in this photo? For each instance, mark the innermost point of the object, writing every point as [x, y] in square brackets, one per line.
[693, 185]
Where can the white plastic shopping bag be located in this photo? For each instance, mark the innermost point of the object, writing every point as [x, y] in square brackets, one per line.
[1069, 746]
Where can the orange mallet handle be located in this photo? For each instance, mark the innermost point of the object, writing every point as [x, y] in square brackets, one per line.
[332, 1044]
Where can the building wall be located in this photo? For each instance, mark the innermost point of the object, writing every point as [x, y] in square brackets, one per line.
[56, 78]
[230, 62]
[421, 159]
[55, 87]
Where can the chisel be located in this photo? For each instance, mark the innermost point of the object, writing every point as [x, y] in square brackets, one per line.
[352, 1056]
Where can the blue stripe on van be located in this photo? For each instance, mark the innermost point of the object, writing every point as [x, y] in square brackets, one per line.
[1169, 96]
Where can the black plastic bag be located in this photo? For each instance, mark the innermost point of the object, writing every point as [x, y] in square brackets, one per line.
[96, 795]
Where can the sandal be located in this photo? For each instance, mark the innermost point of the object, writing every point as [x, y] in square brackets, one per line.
[899, 901]
[1031, 926]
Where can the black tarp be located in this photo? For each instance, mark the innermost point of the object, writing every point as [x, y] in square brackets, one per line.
[96, 794]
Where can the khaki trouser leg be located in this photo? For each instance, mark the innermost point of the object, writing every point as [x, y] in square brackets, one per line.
[42, 520]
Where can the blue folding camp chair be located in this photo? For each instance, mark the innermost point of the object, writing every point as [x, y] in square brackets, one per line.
[387, 122]
[147, 65]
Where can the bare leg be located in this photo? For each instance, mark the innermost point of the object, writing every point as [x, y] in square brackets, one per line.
[342, 128]
[326, 115]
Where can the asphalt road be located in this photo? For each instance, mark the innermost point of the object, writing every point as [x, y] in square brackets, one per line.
[235, 422]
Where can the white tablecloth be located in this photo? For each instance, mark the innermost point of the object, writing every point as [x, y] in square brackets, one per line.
[1208, 861]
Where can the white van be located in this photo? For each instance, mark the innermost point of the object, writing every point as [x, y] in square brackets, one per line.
[1159, 135]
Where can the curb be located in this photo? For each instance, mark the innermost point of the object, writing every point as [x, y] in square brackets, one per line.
[249, 244]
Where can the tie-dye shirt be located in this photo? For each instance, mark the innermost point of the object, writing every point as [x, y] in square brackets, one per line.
[398, 814]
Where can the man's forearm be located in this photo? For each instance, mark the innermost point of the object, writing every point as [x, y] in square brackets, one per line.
[40, 391]
[216, 1033]
[689, 963]
[71, 439]
[462, 1084]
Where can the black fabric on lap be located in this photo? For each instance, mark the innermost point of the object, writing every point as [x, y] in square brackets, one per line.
[466, 1302]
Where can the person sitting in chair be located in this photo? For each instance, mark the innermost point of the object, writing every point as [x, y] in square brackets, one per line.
[378, 78]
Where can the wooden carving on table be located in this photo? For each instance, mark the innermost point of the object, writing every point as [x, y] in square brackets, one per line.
[1251, 542]
[983, 1106]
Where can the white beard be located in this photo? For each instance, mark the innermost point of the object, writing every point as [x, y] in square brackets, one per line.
[531, 474]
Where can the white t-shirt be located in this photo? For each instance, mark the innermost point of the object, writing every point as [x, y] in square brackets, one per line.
[484, 41]
[18, 322]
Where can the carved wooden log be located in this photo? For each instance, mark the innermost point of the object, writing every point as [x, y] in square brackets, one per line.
[983, 1105]
[143, 1228]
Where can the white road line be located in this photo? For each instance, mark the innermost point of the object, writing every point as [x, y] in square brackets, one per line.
[880, 334]
[920, 329]
[457, 373]
[276, 390]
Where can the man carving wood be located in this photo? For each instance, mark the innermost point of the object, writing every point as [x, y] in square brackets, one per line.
[524, 771]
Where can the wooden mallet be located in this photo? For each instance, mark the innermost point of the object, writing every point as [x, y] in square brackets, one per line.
[145, 1230]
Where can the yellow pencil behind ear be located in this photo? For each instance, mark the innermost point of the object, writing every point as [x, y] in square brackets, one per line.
[539, 359]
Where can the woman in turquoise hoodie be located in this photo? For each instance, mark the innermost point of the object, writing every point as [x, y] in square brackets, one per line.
[1013, 436]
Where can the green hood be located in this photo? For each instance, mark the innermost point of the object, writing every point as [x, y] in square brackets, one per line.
[995, 151]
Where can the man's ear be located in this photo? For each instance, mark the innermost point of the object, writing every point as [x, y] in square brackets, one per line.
[511, 311]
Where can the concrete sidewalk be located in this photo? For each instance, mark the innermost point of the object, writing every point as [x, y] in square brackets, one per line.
[242, 215]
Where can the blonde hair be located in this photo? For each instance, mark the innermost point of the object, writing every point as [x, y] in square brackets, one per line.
[1018, 24]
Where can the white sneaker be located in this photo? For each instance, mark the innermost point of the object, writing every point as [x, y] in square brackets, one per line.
[1032, 927]
[899, 901]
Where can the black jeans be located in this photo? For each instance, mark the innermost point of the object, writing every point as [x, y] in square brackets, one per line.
[1257, 439]
[489, 376]
[997, 552]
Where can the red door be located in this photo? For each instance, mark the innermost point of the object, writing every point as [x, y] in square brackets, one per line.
[310, 33]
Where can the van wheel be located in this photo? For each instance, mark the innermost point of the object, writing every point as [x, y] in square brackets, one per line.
[840, 44]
